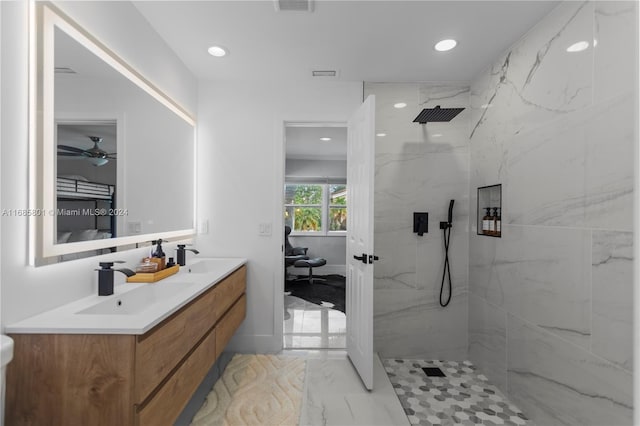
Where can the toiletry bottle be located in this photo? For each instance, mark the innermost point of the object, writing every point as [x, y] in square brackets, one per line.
[498, 216]
[485, 221]
[158, 253]
[492, 223]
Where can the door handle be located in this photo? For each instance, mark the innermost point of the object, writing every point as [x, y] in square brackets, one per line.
[362, 258]
[373, 257]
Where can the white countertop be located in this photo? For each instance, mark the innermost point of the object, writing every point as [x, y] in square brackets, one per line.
[148, 305]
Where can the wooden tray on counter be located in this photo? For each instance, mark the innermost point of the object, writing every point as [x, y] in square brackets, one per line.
[148, 277]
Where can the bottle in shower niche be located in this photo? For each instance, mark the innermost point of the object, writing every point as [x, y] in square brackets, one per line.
[485, 221]
[492, 223]
[498, 221]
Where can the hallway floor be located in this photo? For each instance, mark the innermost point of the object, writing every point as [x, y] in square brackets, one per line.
[311, 326]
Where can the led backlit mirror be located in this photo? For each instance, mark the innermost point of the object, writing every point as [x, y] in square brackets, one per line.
[115, 156]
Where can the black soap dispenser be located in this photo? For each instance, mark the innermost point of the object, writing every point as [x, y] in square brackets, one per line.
[158, 253]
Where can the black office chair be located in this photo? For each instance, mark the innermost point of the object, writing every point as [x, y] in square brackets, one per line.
[292, 254]
[297, 256]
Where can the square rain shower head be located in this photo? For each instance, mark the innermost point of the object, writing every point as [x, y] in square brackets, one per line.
[437, 114]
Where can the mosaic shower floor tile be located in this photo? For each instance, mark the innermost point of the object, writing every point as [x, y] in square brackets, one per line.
[462, 397]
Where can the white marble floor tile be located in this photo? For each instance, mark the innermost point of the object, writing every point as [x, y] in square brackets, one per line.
[308, 325]
[334, 395]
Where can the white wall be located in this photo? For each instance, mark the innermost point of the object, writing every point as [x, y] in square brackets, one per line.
[333, 249]
[316, 168]
[26, 290]
[240, 178]
[2, 51]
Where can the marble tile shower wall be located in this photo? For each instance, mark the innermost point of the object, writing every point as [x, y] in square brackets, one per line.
[419, 168]
[550, 305]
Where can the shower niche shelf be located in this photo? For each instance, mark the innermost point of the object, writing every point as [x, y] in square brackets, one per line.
[490, 211]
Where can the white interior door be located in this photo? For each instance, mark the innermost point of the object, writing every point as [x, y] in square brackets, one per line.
[359, 294]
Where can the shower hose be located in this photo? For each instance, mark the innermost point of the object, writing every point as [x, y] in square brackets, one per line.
[446, 232]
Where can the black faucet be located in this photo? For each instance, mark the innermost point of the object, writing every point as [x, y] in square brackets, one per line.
[105, 277]
[182, 255]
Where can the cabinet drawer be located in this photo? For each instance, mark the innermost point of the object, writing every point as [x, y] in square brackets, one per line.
[167, 404]
[229, 324]
[227, 294]
[162, 348]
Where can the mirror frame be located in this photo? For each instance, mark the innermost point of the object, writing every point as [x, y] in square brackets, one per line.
[44, 19]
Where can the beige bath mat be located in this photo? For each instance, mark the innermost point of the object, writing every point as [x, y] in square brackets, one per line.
[255, 390]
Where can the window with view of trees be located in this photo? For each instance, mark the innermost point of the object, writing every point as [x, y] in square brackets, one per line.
[316, 208]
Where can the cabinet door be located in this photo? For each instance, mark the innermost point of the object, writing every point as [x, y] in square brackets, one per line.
[229, 324]
[167, 404]
[70, 379]
[233, 287]
[160, 350]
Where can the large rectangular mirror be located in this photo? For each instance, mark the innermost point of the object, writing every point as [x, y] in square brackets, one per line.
[113, 156]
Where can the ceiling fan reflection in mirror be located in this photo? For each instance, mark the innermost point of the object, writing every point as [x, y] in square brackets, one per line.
[95, 155]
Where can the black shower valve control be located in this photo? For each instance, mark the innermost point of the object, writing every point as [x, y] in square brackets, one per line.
[445, 225]
[420, 223]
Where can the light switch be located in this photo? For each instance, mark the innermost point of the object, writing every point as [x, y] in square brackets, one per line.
[264, 229]
[204, 227]
[135, 228]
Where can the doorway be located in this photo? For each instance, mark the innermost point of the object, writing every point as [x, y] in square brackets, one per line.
[315, 220]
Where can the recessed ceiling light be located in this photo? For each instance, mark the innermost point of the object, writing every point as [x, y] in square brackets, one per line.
[436, 135]
[578, 47]
[381, 135]
[400, 105]
[217, 51]
[325, 139]
[444, 45]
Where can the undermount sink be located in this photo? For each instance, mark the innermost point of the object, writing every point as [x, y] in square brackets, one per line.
[205, 266]
[138, 300]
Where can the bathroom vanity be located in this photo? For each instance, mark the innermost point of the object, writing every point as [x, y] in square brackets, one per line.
[82, 364]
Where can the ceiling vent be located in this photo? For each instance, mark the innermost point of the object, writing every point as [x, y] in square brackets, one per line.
[64, 70]
[294, 5]
[324, 73]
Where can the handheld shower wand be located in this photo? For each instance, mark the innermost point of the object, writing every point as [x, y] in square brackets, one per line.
[446, 233]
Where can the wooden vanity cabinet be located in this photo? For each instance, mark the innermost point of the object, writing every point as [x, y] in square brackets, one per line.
[98, 379]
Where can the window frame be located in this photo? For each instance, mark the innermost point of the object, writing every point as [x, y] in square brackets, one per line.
[325, 207]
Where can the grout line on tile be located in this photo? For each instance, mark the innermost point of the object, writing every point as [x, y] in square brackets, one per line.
[575, 345]
[590, 273]
[577, 228]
